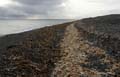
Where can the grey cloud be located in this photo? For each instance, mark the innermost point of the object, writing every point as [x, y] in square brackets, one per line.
[38, 2]
[52, 9]
[30, 8]
[9, 13]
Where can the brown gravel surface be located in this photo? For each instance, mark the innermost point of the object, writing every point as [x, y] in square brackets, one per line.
[85, 48]
[76, 53]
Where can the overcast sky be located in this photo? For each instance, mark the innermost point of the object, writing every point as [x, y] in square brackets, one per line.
[57, 9]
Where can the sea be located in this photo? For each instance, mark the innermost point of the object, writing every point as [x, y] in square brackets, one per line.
[17, 26]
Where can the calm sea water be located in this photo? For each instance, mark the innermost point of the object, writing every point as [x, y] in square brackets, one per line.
[17, 26]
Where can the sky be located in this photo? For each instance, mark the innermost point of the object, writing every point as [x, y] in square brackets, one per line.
[57, 9]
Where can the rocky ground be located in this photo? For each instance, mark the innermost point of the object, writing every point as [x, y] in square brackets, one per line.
[82, 59]
[31, 54]
[84, 48]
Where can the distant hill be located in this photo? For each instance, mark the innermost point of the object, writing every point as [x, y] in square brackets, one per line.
[109, 24]
[85, 48]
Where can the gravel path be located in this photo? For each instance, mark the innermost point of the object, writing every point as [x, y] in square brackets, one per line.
[75, 51]
[69, 65]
